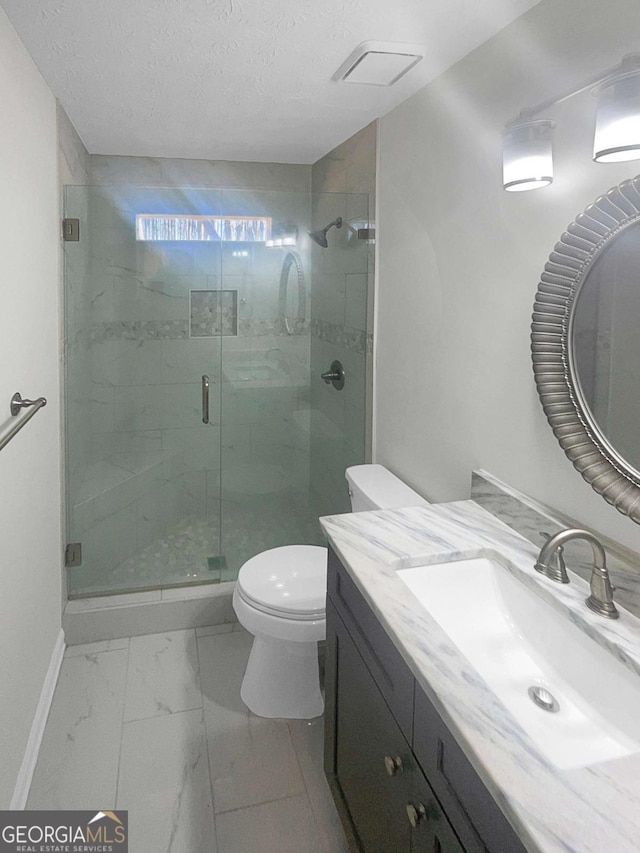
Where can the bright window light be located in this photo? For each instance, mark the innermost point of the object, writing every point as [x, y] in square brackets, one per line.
[172, 227]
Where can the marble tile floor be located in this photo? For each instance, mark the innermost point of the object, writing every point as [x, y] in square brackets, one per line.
[155, 725]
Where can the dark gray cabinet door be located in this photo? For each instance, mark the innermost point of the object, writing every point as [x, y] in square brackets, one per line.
[433, 832]
[469, 805]
[373, 762]
[383, 660]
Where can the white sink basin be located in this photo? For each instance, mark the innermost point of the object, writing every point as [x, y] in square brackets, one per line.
[515, 640]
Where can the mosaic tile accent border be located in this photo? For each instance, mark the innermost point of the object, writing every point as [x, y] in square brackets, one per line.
[213, 313]
[149, 330]
[260, 328]
[352, 339]
[138, 330]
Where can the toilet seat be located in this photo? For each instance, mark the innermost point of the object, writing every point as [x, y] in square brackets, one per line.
[289, 582]
[297, 615]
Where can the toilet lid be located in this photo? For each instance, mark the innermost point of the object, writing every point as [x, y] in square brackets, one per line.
[289, 581]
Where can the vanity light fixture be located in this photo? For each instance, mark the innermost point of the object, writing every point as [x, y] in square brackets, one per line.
[527, 158]
[527, 142]
[617, 135]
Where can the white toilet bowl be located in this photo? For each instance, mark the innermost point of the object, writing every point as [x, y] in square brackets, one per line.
[280, 598]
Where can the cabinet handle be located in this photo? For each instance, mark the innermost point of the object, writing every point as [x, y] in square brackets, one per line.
[416, 814]
[393, 765]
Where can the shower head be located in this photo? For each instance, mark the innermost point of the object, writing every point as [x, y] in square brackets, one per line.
[320, 237]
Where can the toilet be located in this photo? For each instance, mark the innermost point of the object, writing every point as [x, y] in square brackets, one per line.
[280, 598]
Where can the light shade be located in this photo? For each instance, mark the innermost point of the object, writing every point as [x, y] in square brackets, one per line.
[617, 134]
[527, 157]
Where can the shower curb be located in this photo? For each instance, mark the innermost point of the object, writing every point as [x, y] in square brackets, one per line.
[111, 617]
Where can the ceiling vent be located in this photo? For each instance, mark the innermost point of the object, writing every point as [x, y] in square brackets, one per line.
[379, 63]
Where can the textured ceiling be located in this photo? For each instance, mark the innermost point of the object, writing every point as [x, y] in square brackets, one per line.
[235, 79]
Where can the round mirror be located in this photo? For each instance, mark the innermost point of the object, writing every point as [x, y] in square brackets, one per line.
[586, 345]
[605, 345]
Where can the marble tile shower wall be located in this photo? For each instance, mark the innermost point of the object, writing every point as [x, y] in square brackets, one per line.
[343, 184]
[149, 458]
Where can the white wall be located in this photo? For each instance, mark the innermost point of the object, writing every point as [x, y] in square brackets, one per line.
[460, 259]
[30, 529]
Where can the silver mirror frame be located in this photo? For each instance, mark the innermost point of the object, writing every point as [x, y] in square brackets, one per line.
[551, 350]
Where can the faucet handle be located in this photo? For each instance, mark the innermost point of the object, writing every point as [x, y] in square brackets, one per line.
[560, 563]
[553, 564]
[558, 558]
[601, 598]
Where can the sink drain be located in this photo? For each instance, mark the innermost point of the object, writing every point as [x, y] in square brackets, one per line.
[543, 699]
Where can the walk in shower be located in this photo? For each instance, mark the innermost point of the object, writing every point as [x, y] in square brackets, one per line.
[198, 429]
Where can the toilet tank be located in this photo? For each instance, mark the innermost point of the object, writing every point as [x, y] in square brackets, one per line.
[375, 487]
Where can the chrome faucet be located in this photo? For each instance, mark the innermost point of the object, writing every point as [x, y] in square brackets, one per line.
[551, 563]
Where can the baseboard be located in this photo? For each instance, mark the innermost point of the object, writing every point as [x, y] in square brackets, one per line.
[25, 774]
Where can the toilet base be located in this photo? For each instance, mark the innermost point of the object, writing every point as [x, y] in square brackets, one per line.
[282, 679]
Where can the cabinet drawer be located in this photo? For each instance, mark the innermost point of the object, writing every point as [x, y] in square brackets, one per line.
[390, 672]
[477, 818]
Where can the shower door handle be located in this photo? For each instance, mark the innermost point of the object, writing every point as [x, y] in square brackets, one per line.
[205, 399]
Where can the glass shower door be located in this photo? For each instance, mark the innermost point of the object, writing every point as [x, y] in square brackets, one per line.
[168, 285]
[286, 435]
[143, 314]
[340, 330]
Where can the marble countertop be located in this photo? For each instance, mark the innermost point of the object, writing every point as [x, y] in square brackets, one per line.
[585, 810]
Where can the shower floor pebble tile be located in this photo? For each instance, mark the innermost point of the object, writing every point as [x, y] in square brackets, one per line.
[155, 724]
[184, 553]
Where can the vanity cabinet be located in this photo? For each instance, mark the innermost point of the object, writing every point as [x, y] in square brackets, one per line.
[400, 780]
